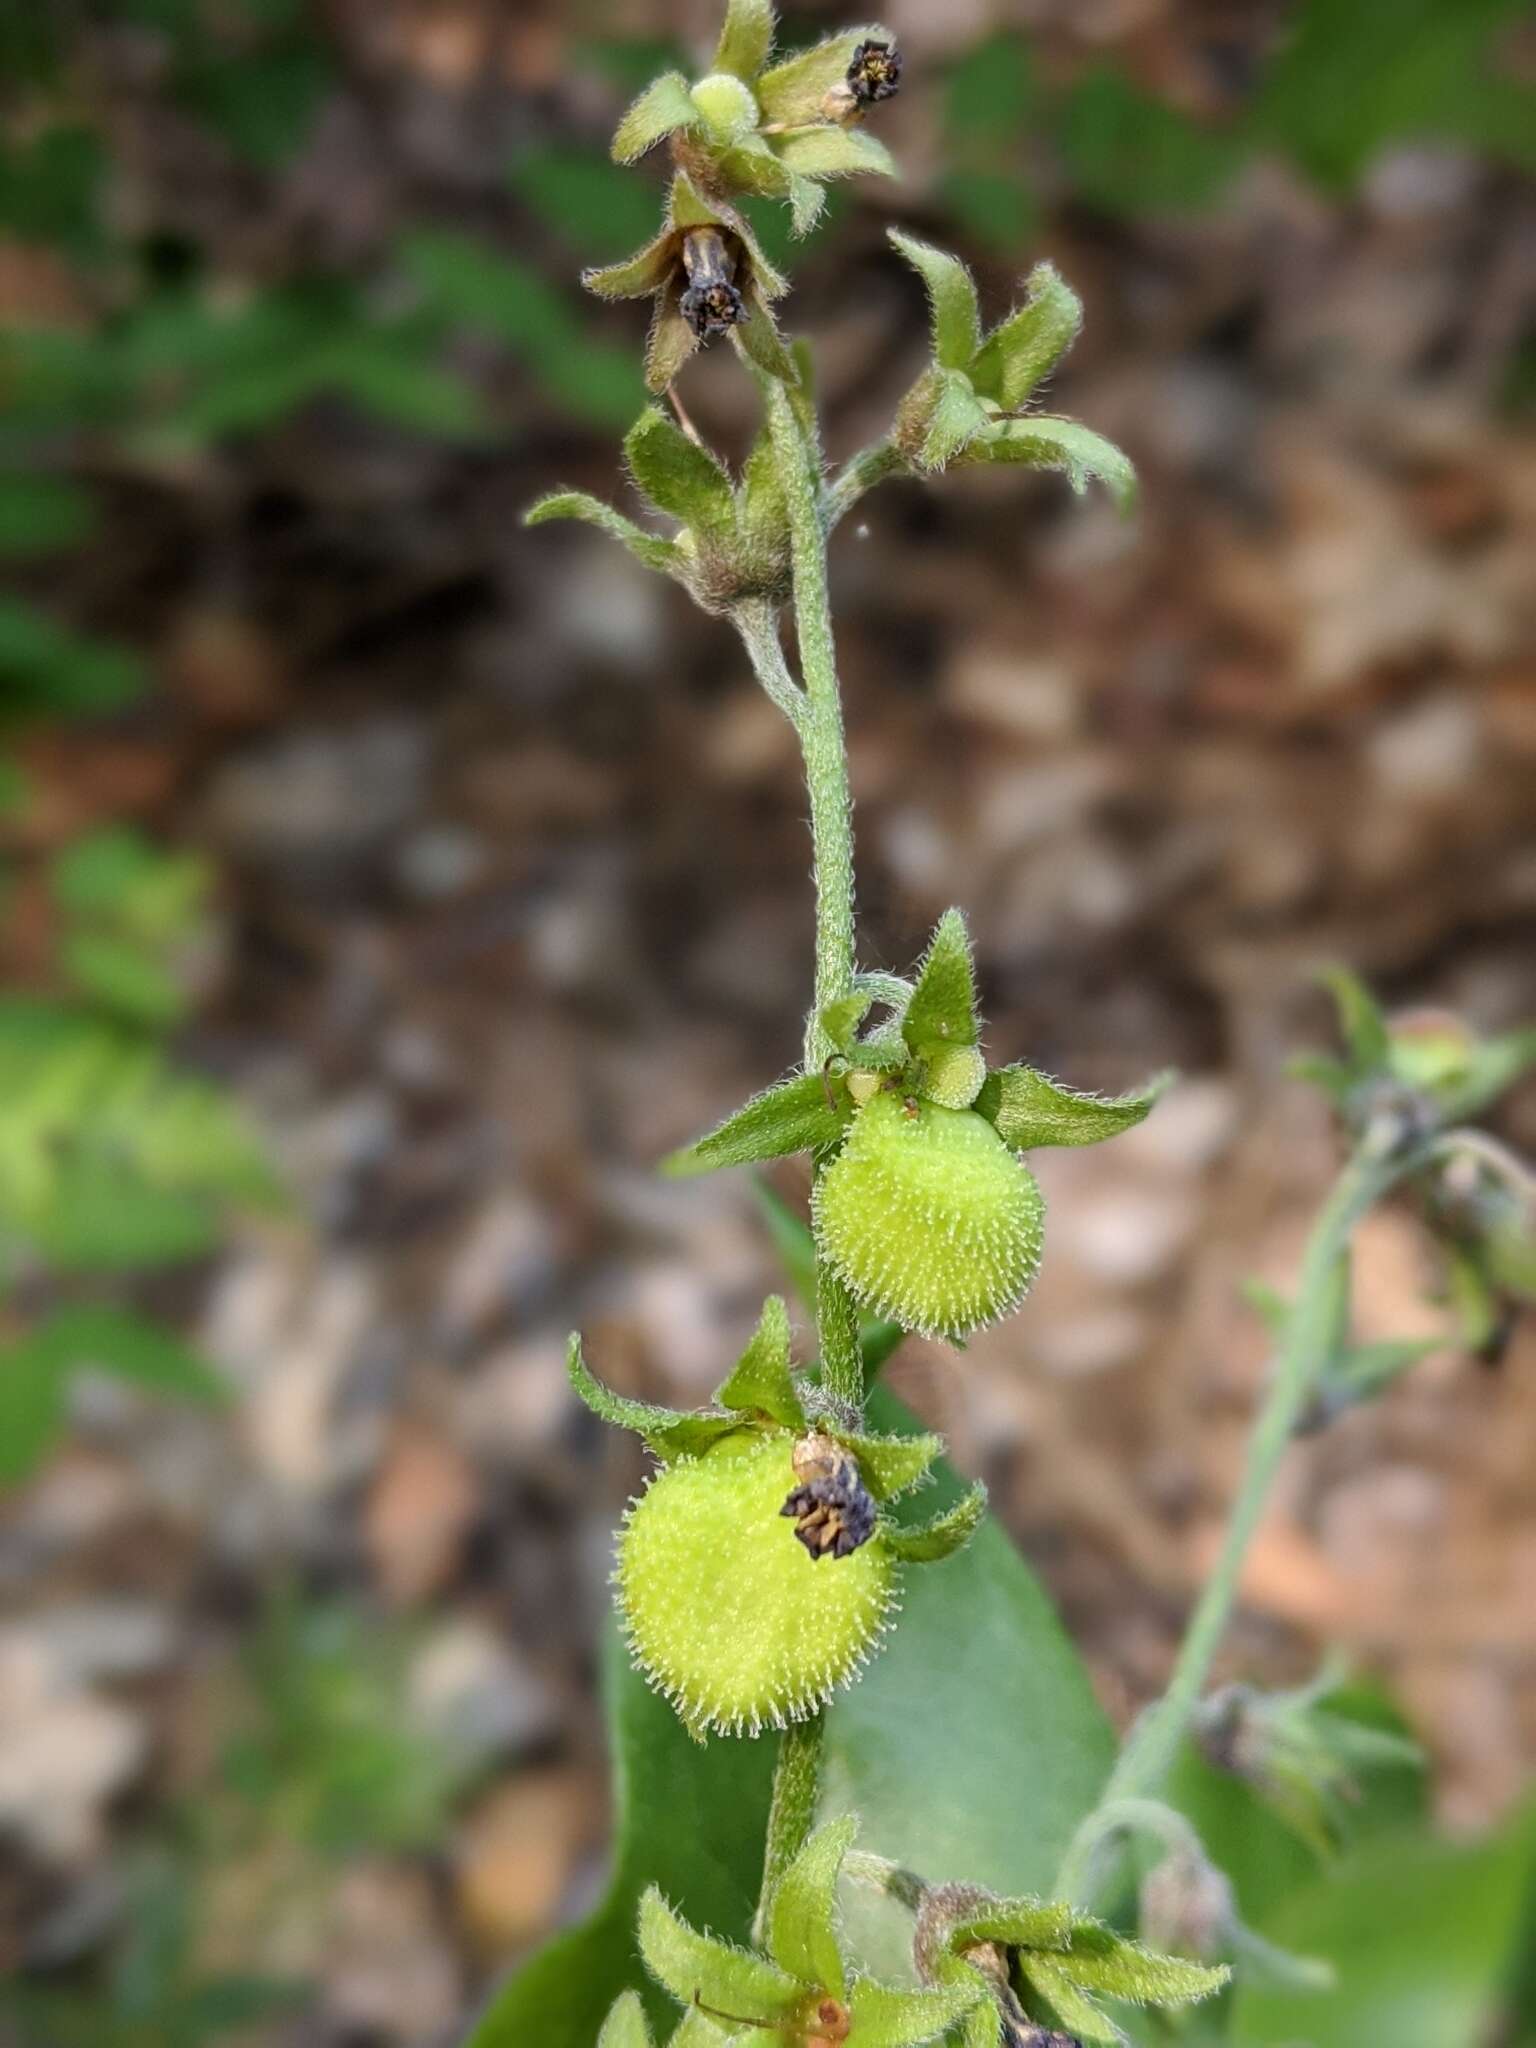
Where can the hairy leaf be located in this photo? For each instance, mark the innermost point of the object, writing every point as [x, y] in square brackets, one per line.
[625, 2025]
[745, 39]
[892, 1465]
[1361, 1022]
[761, 1378]
[670, 1432]
[699, 1969]
[836, 153]
[1081, 455]
[943, 1006]
[677, 475]
[665, 106]
[957, 416]
[1027, 346]
[885, 2017]
[648, 548]
[951, 299]
[792, 1116]
[930, 1542]
[802, 1919]
[1029, 1109]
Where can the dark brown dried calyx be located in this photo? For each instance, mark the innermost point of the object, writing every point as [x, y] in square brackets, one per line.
[832, 1508]
[711, 303]
[874, 73]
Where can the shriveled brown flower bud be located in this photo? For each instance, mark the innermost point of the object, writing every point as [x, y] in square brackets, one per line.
[833, 1510]
[711, 303]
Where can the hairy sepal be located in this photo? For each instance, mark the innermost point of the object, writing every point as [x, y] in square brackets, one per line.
[794, 1115]
[1028, 1109]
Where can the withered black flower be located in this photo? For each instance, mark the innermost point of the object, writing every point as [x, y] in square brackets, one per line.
[874, 73]
[832, 1508]
[711, 303]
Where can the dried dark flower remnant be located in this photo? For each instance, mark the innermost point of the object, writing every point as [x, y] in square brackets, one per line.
[874, 73]
[831, 2024]
[711, 304]
[832, 1508]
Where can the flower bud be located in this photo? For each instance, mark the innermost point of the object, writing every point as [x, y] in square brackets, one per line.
[929, 1218]
[731, 1612]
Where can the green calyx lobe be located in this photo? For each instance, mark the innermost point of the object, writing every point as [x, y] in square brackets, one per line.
[802, 1991]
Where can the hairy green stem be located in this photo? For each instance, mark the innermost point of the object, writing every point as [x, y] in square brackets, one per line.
[1376, 1166]
[817, 714]
[861, 473]
[757, 622]
[796, 1782]
[821, 730]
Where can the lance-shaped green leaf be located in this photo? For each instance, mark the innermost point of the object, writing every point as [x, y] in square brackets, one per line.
[745, 38]
[951, 300]
[1097, 1963]
[649, 548]
[793, 92]
[757, 337]
[679, 476]
[1028, 1109]
[892, 1464]
[625, 2025]
[794, 1115]
[1027, 346]
[932, 1541]
[637, 276]
[1082, 456]
[885, 2017]
[698, 1970]
[943, 1006]
[1064, 2002]
[1015, 1923]
[802, 1916]
[662, 109]
[669, 1432]
[1362, 1024]
[760, 1382]
[836, 153]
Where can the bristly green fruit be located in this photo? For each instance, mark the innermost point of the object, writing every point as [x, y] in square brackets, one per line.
[726, 1612]
[929, 1218]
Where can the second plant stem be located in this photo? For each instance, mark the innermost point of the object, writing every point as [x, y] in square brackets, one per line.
[1375, 1167]
[819, 724]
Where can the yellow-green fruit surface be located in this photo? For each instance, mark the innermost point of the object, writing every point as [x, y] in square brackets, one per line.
[725, 1610]
[929, 1218]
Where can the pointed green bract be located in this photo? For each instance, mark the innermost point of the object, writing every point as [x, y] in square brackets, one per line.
[954, 1076]
[1361, 1021]
[931, 1542]
[1029, 1109]
[943, 1007]
[649, 548]
[951, 298]
[664, 107]
[1026, 346]
[892, 1464]
[745, 39]
[669, 1432]
[794, 91]
[1082, 456]
[1017, 1923]
[802, 1916]
[836, 153]
[761, 1380]
[885, 2017]
[638, 275]
[758, 338]
[1071, 2006]
[625, 2025]
[793, 1116]
[699, 1970]
[677, 475]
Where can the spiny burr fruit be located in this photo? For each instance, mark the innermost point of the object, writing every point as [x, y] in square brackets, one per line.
[728, 1610]
[929, 1218]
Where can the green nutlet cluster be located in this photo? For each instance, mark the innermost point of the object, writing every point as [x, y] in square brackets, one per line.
[740, 1624]
[929, 1218]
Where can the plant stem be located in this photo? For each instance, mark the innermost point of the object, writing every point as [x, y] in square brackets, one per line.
[1375, 1167]
[796, 1782]
[861, 473]
[817, 713]
[821, 729]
